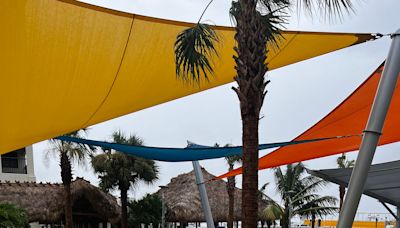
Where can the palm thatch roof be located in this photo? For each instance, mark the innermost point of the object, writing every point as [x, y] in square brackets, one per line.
[183, 200]
[44, 203]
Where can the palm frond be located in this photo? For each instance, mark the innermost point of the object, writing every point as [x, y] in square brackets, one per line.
[274, 22]
[272, 212]
[116, 169]
[194, 50]
[76, 152]
[272, 14]
[232, 160]
[328, 8]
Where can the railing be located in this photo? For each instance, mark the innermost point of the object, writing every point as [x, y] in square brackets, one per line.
[13, 165]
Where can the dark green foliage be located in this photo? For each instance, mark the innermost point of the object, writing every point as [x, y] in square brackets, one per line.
[273, 16]
[120, 171]
[12, 216]
[343, 162]
[145, 211]
[328, 8]
[69, 152]
[299, 192]
[194, 48]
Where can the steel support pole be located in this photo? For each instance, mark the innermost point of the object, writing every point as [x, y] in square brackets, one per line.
[398, 217]
[203, 194]
[163, 210]
[372, 133]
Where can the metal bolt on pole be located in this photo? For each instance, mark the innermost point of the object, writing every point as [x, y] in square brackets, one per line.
[203, 194]
[372, 133]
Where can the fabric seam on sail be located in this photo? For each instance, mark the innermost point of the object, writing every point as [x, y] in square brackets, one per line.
[116, 75]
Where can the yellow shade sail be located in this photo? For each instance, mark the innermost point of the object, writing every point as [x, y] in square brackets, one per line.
[66, 65]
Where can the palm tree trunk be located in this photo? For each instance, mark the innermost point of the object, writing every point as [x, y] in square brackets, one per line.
[312, 220]
[124, 205]
[231, 196]
[285, 217]
[68, 206]
[250, 68]
[66, 176]
[342, 192]
[285, 223]
[250, 172]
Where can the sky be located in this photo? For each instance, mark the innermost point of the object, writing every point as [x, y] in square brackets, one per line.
[299, 95]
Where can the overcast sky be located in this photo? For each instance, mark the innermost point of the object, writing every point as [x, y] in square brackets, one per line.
[299, 95]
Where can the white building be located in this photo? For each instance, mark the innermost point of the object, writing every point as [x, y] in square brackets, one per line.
[17, 166]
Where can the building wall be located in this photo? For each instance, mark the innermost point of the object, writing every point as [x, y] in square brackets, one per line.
[28, 177]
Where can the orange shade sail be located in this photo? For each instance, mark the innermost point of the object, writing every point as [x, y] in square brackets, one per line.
[349, 118]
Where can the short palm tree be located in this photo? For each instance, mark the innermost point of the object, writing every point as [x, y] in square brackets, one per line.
[145, 211]
[230, 186]
[273, 211]
[299, 194]
[69, 152]
[120, 171]
[343, 163]
[258, 22]
[12, 216]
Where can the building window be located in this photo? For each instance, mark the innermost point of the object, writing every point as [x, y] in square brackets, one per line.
[14, 162]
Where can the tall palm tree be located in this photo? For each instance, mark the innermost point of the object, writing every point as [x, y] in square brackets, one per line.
[69, 152]
[120, 171]
[258, 22]
[230, 186]
[343, 163]
[299, 194]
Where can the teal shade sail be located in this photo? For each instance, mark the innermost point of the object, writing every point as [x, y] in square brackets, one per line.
[191, 153]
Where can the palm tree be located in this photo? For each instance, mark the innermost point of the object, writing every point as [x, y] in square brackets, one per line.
[145, 211]
[273, 211]
[12, 216]
[258, 22]
[230, 186]
[120, 171]
[299, 194]
[343, 163]
[69, 152]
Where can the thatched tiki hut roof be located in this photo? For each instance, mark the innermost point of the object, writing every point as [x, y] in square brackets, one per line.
[44, 203]
[183, 200]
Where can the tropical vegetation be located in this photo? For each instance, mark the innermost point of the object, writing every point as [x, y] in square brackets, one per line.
[120, 171]
[300, 196]
[69, 152]
[343, 163]
[12, 216]
[258, 22]
[272, 212]
[145, 211]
